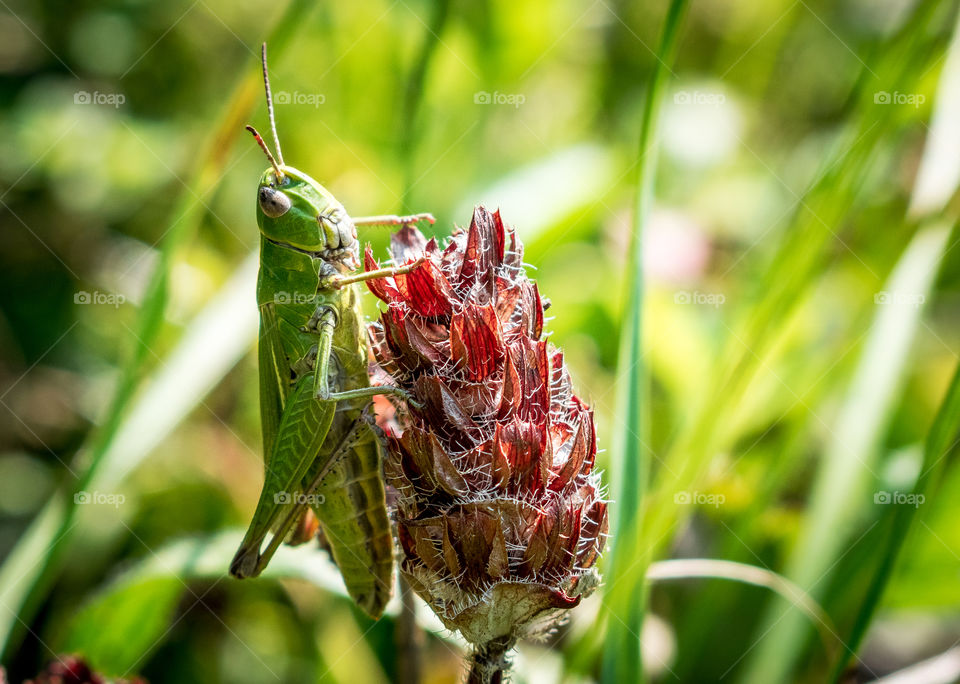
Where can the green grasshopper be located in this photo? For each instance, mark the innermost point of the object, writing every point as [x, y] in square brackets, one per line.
[321, 455]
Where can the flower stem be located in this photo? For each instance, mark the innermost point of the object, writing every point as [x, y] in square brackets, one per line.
[490, 664]
[408, 637]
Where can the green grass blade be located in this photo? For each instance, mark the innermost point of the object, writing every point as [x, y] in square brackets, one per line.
[710, 568]
[937, 179]
[622, 660]
[840, 491]
[940, 441]
[25, 577]
[792, 273]
[938, 176]
[838, 494]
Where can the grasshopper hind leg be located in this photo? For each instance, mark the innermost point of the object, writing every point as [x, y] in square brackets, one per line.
[354, 520]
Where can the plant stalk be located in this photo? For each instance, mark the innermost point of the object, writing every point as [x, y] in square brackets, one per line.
[408, 637]
[490, 664]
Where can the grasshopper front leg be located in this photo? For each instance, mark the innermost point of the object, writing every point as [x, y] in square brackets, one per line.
[387, 272]
[327, 325]
[392, 220]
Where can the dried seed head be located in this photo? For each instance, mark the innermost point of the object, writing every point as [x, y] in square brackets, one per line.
[500, 517]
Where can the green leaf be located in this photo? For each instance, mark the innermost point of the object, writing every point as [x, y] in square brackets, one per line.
[133, 613]
[118, 630]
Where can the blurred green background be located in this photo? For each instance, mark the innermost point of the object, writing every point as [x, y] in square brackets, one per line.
[800, 314]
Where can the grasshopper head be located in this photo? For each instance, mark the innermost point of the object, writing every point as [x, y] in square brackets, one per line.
[293, 210]
[296, 211]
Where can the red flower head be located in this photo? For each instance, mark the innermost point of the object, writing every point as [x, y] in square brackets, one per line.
[500, 519]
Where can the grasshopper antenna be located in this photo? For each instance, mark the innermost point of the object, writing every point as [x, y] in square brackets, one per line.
[266, 85]
[266, 151]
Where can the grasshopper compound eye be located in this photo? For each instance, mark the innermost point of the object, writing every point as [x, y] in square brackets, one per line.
[273, 203]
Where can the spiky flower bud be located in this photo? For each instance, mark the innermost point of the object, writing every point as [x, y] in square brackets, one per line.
[500, 520]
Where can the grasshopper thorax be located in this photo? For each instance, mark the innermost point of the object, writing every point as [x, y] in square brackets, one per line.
[295, 211]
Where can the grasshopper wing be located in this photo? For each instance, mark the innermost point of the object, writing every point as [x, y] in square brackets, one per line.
[274, 378]
[302, 428]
